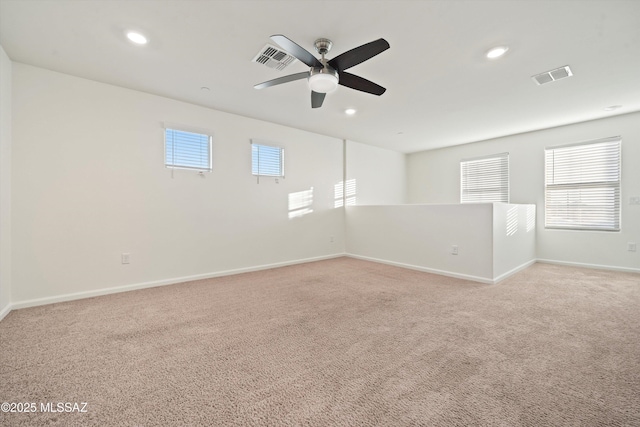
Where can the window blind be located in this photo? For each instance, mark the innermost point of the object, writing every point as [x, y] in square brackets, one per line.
[485, 179]
[187, 150]
[582, 186]
[267, 160]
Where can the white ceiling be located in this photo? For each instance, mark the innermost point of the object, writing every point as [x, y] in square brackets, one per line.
[441, 90]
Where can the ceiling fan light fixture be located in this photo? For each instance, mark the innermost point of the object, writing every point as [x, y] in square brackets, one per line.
[323, 81]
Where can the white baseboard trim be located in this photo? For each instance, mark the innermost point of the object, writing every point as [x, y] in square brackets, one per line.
[586, 265]
[5, 311]
[152, 284]
[106, 291]
[513, 271]
[425, 269]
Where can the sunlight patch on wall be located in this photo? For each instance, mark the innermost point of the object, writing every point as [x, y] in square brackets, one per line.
[338, 195]
[512, 220]
[345, 193]
[300, 203]
[531, 218]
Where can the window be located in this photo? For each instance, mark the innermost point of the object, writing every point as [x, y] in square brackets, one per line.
[267, 160]
[485, 179]
[187, 150]
[582, 186]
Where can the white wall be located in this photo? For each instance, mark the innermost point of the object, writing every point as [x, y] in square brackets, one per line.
[421, 236]
[378, 175]
[514, 241]
[89, 183]
[5, 183]
[434, 177]
[494, 240]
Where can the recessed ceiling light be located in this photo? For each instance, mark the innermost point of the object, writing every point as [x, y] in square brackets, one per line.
[136, 38]
[497, 52]
[205, 89]
[612, 107]
[350, 111]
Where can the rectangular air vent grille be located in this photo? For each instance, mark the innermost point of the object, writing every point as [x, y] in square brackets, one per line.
[274, 58]
[553, 75]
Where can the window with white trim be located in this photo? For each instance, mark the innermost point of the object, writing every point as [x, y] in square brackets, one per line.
[582, 185]
[485, 179]
[187, 150]
[267, 160]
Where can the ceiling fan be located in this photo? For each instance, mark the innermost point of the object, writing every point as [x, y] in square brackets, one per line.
[325, 76]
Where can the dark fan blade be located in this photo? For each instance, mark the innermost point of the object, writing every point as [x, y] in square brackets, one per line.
[298, 51]
[358, 83]
[316, 99]
[359, 54]
[285, 79]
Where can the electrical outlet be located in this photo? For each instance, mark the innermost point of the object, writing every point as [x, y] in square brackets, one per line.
[631, 246]
[126, 258]
[331, 239]
[454, 249]
[635, 200]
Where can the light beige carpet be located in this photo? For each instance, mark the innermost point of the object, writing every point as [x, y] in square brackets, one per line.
[341, 342]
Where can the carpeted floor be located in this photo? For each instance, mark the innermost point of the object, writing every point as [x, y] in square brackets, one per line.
[341, 342]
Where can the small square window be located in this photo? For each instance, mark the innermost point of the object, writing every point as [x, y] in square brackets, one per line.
[188, 150]
[267, 160]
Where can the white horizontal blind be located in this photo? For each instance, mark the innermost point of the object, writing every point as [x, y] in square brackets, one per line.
[188, 150]
[485, 179]
[582, 186]
[267, 160]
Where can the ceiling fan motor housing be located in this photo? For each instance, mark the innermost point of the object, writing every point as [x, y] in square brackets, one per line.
[323, 46]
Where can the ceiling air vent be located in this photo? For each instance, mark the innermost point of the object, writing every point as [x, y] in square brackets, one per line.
[274, 58]
[553, 75]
